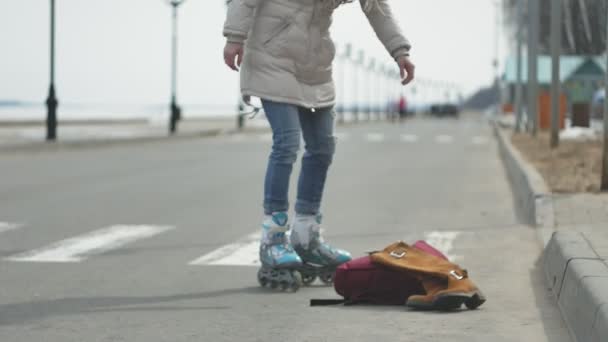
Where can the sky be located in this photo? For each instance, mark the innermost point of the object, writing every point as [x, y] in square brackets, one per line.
[118, 51]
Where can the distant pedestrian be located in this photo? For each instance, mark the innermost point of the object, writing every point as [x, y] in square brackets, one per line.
[285, 53]
[402, 107]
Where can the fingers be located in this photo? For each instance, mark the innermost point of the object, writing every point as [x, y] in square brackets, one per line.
[406, 68]
[232, 53]
[229, 60]
[410, 74]
[239, 58]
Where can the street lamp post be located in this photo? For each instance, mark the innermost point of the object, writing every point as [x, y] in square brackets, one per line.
[370, 87]
[518, 85]
[346, 58]
[533, 32]
[604, 185]
[51, 101]
[556, 40]
[358, 64]
[175, 110]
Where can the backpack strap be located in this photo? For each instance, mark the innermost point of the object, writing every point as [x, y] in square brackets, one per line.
[327, 302]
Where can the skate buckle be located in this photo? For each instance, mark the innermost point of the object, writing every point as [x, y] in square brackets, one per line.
[397, 255]
[455, 274]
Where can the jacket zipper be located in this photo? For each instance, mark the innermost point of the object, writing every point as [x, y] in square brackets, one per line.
[278, 31]
[312, 18]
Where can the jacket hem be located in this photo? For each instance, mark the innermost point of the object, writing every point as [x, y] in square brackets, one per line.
[292, 101]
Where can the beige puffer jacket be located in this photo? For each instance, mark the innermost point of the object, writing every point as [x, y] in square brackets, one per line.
[288, 51]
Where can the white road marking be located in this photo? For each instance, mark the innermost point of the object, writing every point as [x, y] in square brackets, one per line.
[341, 136]
[244, 252]
[79, 248]
[374, 137]
[266, 137]
[444, 139]
[6, 226]
[443, 241]
[237, 137]
[479, 140]
[409, 138]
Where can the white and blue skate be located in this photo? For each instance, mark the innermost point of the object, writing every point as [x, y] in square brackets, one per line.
[280, 263]
[319, 258]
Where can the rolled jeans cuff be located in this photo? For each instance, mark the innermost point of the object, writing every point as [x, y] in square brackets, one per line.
[304, 207]
[274, 207]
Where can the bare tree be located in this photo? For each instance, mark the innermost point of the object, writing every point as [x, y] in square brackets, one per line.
[583, 27]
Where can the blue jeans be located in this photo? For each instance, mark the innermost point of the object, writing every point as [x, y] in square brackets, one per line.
[288, 123]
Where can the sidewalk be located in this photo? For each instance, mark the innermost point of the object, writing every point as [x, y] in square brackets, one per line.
[574, 228]
[16, 137]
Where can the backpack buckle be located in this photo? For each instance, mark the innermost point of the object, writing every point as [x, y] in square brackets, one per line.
[397, 255]
[455, 274]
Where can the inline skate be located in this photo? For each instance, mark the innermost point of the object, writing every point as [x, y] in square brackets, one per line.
[319, 259]
[280, 263]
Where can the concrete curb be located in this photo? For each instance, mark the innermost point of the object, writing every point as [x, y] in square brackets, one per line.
[104, 142]
[575, 273]
[529, 188]
[43, 146]
[578, 278]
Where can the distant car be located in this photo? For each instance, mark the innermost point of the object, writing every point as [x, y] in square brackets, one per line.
[445, 109]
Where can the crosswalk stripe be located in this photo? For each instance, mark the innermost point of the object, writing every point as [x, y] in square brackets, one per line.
[79, 248]
[443, 241]
[244, 252]
[266, 137]
[6, 226]
[444, 139]
[479, 140]
[410, 138]
[237, 138]
[341, 136]
[374, 137]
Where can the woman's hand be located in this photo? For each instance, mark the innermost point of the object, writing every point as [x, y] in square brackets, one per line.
[406, 68]
[233, 51]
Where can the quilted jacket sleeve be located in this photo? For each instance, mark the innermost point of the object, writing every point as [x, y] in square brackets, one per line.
[239, 19]
[383, 22]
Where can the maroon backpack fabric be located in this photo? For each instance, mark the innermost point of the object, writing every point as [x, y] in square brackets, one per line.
[362, 281]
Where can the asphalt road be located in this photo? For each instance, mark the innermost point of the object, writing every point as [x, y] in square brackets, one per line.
[153, 242]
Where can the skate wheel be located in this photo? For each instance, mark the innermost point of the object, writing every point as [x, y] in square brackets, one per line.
[284, 286]
[262, 280]
[308, 278]
[327, 277]
[297, 281]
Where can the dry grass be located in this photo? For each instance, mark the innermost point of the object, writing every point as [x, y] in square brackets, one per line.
[575, 166]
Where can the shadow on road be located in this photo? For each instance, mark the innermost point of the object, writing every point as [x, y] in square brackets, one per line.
[22, 313]
[552, 320]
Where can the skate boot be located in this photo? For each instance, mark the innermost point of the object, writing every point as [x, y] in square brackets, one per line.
[279, 261]
[319, 258]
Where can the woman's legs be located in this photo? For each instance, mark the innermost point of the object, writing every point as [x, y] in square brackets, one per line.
[320, 144]
[285, 124]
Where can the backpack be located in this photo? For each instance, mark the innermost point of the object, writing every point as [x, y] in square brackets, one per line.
[360, 281]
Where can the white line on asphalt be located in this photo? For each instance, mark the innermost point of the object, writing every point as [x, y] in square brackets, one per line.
[479, 140]
[244, 252]
[374, 137]
[341, 136]
[78, 248]
[6, 226]
[237, 137]
[409, 138]
[443, 241]
[444, 139]
[266, 137]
